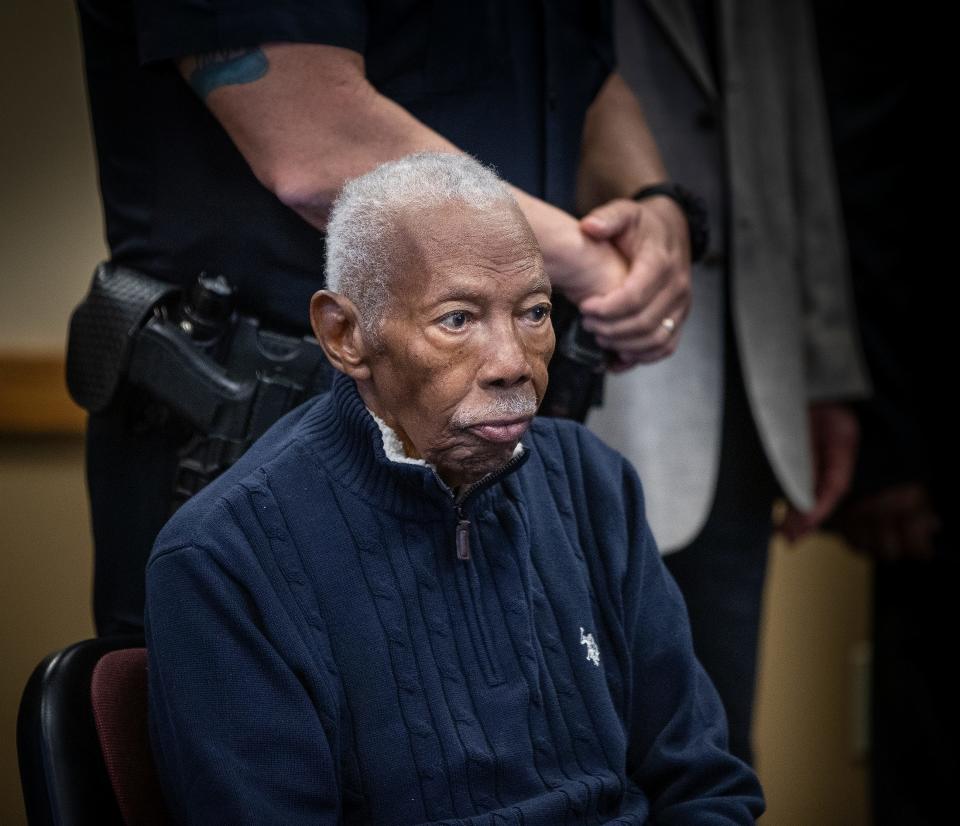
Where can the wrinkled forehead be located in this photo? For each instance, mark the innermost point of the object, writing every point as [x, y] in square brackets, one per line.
[455, 239]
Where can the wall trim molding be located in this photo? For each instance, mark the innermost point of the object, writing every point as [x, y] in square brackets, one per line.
[34, 398]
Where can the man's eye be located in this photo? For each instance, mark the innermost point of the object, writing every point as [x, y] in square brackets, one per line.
[455, 320]
[539, 313]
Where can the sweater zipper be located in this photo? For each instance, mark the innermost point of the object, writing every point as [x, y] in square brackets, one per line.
[462, 536]
[467, 577]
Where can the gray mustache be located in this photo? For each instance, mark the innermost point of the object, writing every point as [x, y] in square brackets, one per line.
[507, 406]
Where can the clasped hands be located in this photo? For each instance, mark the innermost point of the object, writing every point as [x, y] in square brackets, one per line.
[629, 273]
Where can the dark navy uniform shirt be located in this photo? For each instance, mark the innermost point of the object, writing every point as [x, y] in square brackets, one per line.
[507, 81]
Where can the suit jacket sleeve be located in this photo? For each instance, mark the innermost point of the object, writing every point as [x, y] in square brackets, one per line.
[835, 365]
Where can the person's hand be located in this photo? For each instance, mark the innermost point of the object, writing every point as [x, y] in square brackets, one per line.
[578, 265]
[895, 523]
[834, 435]
[639, 319]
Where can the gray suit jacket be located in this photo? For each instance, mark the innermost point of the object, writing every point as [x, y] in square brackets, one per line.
[761, 158]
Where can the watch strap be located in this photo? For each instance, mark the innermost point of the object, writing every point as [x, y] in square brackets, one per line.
[694, 209]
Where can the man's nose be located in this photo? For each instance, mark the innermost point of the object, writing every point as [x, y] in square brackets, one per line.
[506, 362]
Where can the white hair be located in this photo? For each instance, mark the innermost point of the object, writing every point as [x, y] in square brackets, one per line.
[362, 229]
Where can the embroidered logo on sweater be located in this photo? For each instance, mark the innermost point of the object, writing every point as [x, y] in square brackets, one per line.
[593, 651]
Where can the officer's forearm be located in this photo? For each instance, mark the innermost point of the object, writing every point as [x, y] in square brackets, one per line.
[619, 155]
[306, 119]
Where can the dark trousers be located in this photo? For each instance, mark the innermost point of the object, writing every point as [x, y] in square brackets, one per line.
[131, 464]
[721, 573]
[916, 718]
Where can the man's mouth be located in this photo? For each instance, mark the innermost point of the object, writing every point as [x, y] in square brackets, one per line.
[502, 431]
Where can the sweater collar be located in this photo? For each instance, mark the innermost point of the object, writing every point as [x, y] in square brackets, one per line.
[343, 434]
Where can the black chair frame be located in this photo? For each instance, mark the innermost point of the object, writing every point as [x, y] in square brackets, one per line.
[62, 772]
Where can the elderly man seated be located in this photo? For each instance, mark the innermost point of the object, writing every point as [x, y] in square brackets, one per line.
[413, 602]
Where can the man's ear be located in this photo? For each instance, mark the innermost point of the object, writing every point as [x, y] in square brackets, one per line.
[336, 324]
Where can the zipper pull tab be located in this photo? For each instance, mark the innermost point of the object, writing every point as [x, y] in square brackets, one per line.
[463, 536]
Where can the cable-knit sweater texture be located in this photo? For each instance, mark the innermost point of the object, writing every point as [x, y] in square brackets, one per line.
[319, 654]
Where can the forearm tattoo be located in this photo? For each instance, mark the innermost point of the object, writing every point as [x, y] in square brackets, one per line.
[229, 67]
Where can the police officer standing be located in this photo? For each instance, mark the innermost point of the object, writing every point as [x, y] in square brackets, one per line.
[223, 135]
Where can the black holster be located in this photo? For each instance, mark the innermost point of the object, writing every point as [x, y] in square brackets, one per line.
[576, 369]
[228, 390]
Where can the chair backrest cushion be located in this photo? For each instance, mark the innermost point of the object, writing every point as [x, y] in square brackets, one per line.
[118, 693]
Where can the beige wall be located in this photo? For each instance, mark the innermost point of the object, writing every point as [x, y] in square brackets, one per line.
[45, 576]
[50, 221]
[50, 239]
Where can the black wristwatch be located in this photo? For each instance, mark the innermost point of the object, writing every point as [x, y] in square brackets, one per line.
[694, 208]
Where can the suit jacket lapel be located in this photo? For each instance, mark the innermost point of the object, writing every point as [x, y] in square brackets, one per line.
[678, 22]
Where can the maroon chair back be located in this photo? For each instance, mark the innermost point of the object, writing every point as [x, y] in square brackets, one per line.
[118, 693]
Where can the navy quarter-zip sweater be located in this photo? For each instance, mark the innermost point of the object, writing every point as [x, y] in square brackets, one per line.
[319, 654]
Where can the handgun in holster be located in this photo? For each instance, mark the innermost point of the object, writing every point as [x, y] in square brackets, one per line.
[222, 373]
[577, 367]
